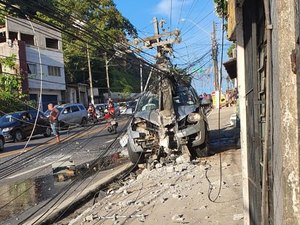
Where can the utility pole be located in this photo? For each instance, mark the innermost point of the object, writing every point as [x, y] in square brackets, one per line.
[107, 75]
[215, 57]
[90, 74]
[141, 75]
[156, 33]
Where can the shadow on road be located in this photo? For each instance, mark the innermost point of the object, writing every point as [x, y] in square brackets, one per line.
[227, 138]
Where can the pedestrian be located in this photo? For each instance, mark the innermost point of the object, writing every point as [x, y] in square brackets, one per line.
[53, 118]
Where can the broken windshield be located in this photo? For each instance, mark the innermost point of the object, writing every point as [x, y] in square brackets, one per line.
[148, 102]
[185, 96]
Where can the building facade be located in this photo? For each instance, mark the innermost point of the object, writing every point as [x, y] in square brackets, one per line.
[266, 33]
[38, 50]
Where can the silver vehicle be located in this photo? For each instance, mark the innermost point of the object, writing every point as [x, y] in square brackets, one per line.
[2, 141]
[71, 114]
[168, 119]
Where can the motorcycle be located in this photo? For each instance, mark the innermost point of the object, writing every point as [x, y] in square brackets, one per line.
[111, 122]
[92, 119]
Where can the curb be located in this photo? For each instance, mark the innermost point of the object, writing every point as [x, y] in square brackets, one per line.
[71, 202]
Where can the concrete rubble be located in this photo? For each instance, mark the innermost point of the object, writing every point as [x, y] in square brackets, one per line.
[173, 194]
[178, 192]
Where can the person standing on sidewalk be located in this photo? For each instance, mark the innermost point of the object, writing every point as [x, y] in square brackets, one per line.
[53, 118]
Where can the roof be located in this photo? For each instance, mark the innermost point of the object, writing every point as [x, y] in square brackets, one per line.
[230, 67]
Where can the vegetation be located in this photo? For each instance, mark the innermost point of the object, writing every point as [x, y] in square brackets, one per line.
[11, 97]
[230, 50]
[221, 8]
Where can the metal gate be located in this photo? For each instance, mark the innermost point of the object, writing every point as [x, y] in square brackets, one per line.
[255, 61]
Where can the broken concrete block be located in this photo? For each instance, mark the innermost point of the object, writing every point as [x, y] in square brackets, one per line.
[178, 218]
[158, 165]
[170, 169]
[140, 204]
[238, 216]
[163, 200]
[89, 218]
[183, 159]
[181, 168]
[178, 196]
[189, 176]
[130, 202]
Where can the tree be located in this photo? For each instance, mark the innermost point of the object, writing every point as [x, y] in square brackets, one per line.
[221, 8]
[11, 97]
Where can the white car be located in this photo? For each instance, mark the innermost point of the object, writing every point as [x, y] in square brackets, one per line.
[159, 130]
[72, 114]
[2, 141]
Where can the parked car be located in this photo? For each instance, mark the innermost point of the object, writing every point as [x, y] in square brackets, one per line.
[159, 130]
[19, 125]
[72, 114]
[2, 141]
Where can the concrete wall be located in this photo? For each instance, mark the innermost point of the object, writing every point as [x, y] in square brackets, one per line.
[288, 82]
[41, 32]
[48, 58]
[243, 116]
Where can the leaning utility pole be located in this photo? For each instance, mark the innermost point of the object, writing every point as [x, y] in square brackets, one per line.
[90, 74]
[215, 57]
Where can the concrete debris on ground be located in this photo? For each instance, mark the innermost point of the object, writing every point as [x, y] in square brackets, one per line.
[173, 194]
[177, 193]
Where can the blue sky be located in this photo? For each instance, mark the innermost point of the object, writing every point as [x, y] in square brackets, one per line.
[194, 18]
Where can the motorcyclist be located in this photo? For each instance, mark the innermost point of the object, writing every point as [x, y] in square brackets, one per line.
[92, 111]
[110, 111]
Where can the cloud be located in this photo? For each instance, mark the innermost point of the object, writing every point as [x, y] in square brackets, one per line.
[164, 7]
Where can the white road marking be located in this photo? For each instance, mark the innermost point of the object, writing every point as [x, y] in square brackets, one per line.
[28, 171]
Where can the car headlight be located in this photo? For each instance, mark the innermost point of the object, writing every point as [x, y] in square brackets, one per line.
[7, 129]
[193, 117]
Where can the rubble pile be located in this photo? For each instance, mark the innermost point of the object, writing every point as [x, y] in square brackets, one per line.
[169, 194]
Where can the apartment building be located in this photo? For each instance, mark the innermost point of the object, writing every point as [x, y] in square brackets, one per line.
[38, 50]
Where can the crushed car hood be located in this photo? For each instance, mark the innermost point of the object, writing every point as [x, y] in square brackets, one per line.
[183, 111]
[8, 124]
[151, 116]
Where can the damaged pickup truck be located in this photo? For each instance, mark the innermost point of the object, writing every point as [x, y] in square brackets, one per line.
[168, 118]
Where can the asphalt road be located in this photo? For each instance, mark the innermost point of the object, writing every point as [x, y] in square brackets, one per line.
[27, 174]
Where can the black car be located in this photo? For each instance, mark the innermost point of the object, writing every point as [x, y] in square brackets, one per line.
[19, 125]
[2, 141]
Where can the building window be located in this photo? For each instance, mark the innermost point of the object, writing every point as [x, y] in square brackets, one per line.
[51, 43]
[32, 71]
[27, 38]
[13, 36]
[54, 71]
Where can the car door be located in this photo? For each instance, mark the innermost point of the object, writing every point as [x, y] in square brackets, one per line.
[66, 116]
[26, 123]
[76, 117]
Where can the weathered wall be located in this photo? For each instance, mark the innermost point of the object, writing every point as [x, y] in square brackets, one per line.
[288, 147]
[276, 157]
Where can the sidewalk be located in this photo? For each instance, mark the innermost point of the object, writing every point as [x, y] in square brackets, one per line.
[176, 194]
[225, 134]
